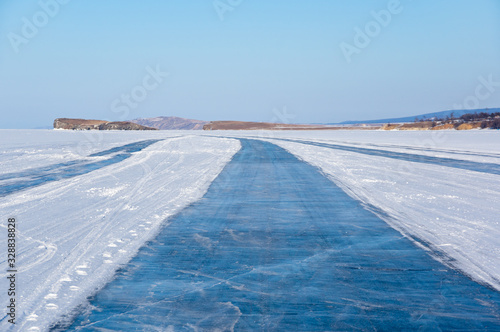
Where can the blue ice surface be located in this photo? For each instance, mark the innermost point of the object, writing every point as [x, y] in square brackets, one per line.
[274, 245]
[41, 175]
[469, 165]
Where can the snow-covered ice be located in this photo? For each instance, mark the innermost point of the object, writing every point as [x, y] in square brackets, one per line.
[72, 234]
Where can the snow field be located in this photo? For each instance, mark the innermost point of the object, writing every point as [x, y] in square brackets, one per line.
[73, 234]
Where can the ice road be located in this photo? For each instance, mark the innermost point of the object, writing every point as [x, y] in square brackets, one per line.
[275, 245]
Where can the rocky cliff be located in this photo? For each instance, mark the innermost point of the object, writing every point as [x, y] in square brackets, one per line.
[82, 124]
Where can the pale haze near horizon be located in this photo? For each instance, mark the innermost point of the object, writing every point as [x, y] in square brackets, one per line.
[282, 61]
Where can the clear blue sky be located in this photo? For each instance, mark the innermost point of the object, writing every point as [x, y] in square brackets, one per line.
[88, 55]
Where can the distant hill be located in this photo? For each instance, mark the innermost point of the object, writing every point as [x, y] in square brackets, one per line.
[171, 123]
[427, 116]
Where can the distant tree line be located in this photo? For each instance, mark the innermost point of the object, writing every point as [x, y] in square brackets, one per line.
[488, 120]
[493, 124]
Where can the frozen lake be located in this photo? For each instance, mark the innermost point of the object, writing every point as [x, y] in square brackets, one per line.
[274, 244]
[316, 231]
